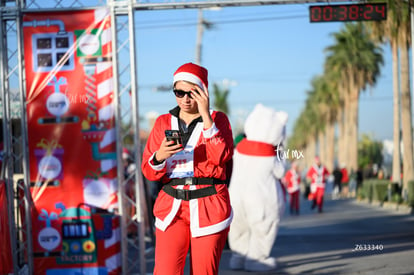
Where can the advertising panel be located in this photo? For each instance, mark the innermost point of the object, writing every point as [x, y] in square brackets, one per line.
[72, 143]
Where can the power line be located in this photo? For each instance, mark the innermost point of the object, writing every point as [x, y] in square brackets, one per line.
[213, 16]
[225, 21]
[278, 101]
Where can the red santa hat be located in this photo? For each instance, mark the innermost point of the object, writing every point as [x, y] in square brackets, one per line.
[125, 153]
[192, 73]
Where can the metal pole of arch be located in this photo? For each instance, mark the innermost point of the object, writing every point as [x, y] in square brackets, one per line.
[224, 3]
[7, 147]
[25, 185]
[132, 246]
[118, 119]
[139, 181]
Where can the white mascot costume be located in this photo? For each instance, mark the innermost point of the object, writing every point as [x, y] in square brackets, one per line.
[255, 190]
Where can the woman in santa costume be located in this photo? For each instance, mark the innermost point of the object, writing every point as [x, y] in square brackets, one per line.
[292, 181]
[193, 209]
[317, 175]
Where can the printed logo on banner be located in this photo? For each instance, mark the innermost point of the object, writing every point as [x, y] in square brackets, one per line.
[99, 191]
[49, 167]
[49, 238]
[88, 44]
[57, 104]
[49, 155]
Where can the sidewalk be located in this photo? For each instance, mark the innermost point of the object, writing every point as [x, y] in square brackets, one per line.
[398, 208]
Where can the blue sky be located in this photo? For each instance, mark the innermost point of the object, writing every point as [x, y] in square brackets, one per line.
[268, 53]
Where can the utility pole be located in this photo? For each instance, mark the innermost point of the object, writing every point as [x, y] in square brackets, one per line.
[201, 24]
[199, 41]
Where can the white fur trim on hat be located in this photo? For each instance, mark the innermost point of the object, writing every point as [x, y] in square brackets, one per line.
[188, 77]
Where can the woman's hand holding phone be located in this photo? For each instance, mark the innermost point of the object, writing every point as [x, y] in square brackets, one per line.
[167, 149]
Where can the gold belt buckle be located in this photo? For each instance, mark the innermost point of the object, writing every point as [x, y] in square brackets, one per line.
[188, 181]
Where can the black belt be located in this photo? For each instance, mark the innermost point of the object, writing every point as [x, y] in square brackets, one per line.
[187, 195]
[192, 181]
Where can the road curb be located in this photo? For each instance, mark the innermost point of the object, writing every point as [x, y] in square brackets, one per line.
[400, 208]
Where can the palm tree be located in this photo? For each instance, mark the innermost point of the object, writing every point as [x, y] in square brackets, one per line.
[387, 31]
[406, 118]
[342, 155]
[305, 131]
[298, 139]
[316, 123]
[326, 94]
[220, 99]
[318, 110]
[396, 30]
[357, 59]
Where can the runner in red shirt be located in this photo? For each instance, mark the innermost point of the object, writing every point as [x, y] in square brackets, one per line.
[317, 174]
[292, 181]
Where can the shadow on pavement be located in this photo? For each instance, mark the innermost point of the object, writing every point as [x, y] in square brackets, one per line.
[339, 240]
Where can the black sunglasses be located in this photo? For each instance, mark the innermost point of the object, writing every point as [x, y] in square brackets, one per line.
[181, 93]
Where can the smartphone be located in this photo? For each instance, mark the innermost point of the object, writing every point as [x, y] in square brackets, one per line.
[173, 135]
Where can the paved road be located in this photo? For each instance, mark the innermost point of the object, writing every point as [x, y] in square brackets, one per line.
[325, 243]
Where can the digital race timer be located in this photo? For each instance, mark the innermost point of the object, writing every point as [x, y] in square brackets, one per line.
[351, 12]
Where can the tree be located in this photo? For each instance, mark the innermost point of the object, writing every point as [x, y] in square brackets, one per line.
[387, 31]
[406, 112]
[396, 30]
[357, 59]
[369, 151]
[326, 94]
[305, 131]
[220, 99]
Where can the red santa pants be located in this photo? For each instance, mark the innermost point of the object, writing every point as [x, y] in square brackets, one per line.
[294, 201]
[319, 197]
[172, 246]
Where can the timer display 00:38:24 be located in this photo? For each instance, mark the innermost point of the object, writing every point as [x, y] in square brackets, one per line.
[352, 12]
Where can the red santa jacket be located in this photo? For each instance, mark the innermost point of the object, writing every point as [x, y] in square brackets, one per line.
[213, 149]
[292, 179]
[318, 175]
[345, 177]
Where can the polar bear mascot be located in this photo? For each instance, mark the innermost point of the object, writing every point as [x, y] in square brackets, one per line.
[256, 193]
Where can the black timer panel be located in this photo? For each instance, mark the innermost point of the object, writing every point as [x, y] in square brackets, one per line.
[343, 13]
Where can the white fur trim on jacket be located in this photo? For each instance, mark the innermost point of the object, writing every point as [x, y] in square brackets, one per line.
[156, 167]
[196, 230]
[208, 133]
[163, 224]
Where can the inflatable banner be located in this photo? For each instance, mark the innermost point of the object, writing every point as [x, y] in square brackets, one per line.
[72, 144]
